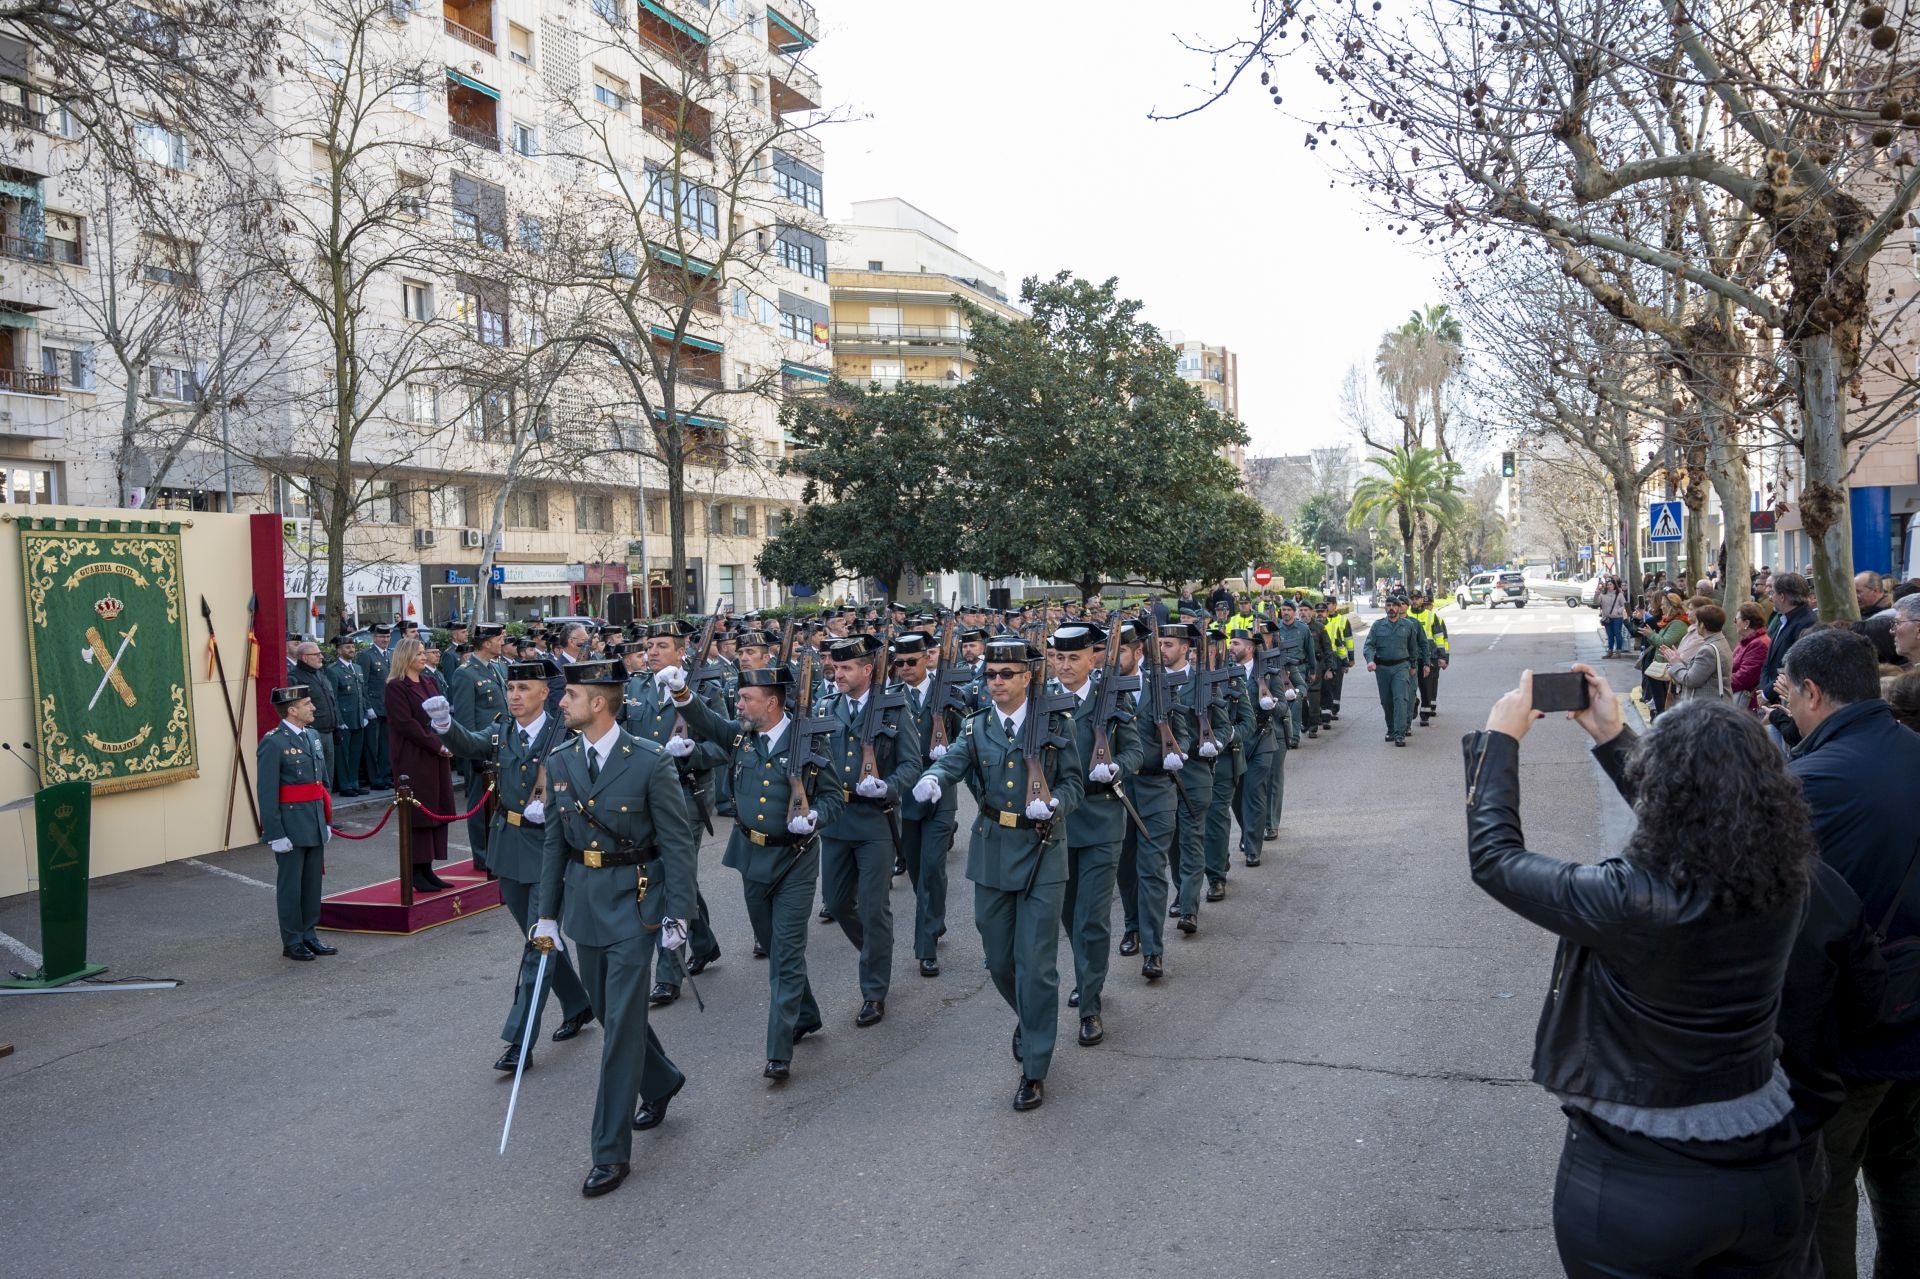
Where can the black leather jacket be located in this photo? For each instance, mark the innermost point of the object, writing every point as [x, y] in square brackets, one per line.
[1657, 998]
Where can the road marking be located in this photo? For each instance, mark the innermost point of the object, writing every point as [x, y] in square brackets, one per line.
[1502, 635]
[21, 949]
[228, 874]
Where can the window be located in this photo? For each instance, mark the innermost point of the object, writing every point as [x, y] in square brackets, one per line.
[529, 234]
[620, 261]
[740, 307]
[157, 144]
[717, 519]
[611, 12]
[527, 508]
[320, 166]
[291, 497]
[327, 54]
[875, 264]
[801, 251]
[30, 485]
[593, 512]
[411, 96]
[380, 502]
[410, 195]
[802, 319]
[776, 522]
[724, 579]
[447, 507]
[479, 212]
[609, 91]
[681, 201]
[74, 367]
[490, 415]
[64, 238]
[423, 402]
[150, 30]
[656, 515]
[797, 182]
[742, 520]
[767, 313]
[417, 297]
[520, 44]
[482, 310]
[170, 261]
[525, 140]
[176, 382]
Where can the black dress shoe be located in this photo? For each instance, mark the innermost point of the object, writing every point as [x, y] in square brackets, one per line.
[1091, 1031]
[899, 866]
[777, 1071]
[509, 1061]
[1189, 925]
[425, 883]
[572, 1026]
[1399, 741]
[871, 1011]
[1173, 910]
[1389, 736]
[603, 1178]
[1271, 834]
[1251, 859]
[801, 1032]
[759, 951]
[1130, 942]
[321, 948]
[1029, 1094]
[1073, 1000]
[654, 1113]
[1150, 967]
[929, 968]
[1217, 890]
[439, 885]
[826, 916]
[1016, 1043]
[1313, 733]
[662, 994]
[700, 965]
[297, 951]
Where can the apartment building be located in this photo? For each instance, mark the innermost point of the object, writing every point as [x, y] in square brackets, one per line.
[1216, 370]
[511, 128]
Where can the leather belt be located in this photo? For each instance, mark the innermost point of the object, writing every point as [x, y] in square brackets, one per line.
[1391, 661]
[773, 841]
[519, 819]
[1012, 821]
[600, 859]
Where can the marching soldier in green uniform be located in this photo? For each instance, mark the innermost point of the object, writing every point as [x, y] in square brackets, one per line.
[1395, 650]
[617, 868]
[926, 830]
[1228, 770]
[1302, 661]
[478, 696]
[1315, 618]
[350, 695]
[1287, 681]
[777, 854]
[1098, 827]
[1438, 650]
[1177, 643]
[857, 848]
[649, 713]
[518, 748]
[294, 813]
[1158, 796]
[1017, 856]
[1340, 638]
[1264, 697]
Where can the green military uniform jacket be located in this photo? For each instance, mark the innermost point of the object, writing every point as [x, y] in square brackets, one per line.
[349, 692]
[897, 757]
[515, 849]
[761, 790]
[477, 694]
[1012, 858]
[650, 713]
[289, 756]
[373, 662]
[638, 798]
[1180, 718]
[1190, 696]
[1100, 819]
[1296, 641]
[1397, 641]
[910, 808]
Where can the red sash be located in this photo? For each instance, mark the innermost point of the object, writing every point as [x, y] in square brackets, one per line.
[305, 791]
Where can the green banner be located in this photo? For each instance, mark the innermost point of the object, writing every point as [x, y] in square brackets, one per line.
[107, 638]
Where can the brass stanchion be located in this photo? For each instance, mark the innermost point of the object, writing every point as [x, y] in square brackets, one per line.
[402, 799]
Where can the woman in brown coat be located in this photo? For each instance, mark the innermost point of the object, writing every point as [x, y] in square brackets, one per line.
[418, 753]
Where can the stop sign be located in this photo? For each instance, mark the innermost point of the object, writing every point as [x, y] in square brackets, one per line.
[1263, 575]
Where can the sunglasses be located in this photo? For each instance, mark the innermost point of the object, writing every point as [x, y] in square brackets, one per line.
[1004, 674]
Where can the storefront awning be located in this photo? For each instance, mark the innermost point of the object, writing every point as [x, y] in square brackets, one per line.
[470, 83]
[690, 32]
[532, 590]
[806, 372]
[698, 344]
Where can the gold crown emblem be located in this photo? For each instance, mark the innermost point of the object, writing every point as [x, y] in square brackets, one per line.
[109, 607]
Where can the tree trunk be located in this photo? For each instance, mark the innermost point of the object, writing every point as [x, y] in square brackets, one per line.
[499, 521]
[676, 521]
[1626, 544]
[1823, 488]
[1727, 469]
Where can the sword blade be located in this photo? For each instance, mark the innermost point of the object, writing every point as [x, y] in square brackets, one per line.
[526, 1044]
[112, 666]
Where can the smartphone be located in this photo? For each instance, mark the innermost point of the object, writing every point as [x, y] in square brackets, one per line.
[1559, 691]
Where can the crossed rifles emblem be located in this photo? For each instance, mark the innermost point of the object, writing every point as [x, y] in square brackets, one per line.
[109, 609]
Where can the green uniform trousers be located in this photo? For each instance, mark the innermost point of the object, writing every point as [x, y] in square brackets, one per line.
[1250, 794]
[296, 893]
[633, 1065]
[1396, 696]
[1220, 813]
[1277, 774]
[927, 844]
[1141, 879]
[1191, 837]
[1087, 912]
[779, 913]
[561, 979]
[855, 879]
[1020, 933]
[700, 939]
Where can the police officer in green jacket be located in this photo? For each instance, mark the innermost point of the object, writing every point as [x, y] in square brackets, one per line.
[1231, 767]
[1017, 855]
[775, 843]
[1158, 795]
[1396, 652]
[478, 695]
[376, 768]
[350, 695]
[926, 830]
[1096, 829]
[1422, 610]
[1178, 642]
[617, 869]
[517, 748]
[294, 810]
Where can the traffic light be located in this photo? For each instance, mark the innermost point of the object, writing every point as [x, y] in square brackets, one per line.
[1506, 465]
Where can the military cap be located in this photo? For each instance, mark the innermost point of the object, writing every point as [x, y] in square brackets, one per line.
[1180, 631]
[338, 640]
[404, 627]
[767, 677]
[597, 673]
[971, 634]
[461, 650]
[758, 639]
[908, 643]
[295, 637]
[543, 670]
[853, 648]
[615, 651]
[1133, 631]
[672, 628]
[382, 628]
[1288, 604]
[1398, 597]
[1076, 636]
[1011, 648]
[1216, 631]
[612, 632]
[487, 631]
[896, 607]
[289, 695]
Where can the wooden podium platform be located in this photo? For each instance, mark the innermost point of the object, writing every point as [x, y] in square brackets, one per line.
[382, 908]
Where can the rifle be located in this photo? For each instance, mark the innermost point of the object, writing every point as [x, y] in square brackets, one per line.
[786, 643]
[948, 681]
[1215, 680]
[1036, 736]
[700, 670]
[803, 734]
[1107, 707]
[1159, 686]
[873, 725]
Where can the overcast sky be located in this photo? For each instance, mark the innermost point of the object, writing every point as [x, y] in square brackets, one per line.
[1024, 125]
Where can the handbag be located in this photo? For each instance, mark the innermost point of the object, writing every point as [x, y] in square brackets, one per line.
[1656, 670]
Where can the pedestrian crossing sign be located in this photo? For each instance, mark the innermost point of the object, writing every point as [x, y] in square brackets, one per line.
[1666, 520]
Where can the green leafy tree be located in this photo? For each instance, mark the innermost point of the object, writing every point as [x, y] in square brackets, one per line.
[1087, 457]
[878, 497]
[1412, 485]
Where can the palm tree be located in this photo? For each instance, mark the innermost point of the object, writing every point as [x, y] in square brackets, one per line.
[1413, 485]
[1414, 364]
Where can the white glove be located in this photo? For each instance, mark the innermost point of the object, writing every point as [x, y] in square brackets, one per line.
[673, 934]
[870, 788]
[1174, 763]
[679, 747]
[442, 720]
[547, 930]
[1209, 749]
[1040, 810]
[1293, 694]
[281, 845]
[437, 704]
[535, 811]
[670, 678]
[1102, 773]
[1267, 702]
[803, 824]
[936, 751]
[371, 716]
[326, 835]
[927, 790]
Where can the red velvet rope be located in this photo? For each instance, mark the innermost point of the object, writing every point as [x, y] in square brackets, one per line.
[345, 834]
[442, 817]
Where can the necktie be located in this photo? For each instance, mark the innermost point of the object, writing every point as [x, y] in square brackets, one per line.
[766, 745]
[593, 764]
[1007, 724]
[526, 742]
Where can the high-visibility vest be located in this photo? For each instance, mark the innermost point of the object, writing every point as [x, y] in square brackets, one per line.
[1340, 635]
[1435, 628]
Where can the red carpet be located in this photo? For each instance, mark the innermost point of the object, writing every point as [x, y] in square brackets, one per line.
[376, 908]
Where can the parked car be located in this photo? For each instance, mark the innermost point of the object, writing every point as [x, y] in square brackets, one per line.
[1550, 588]
[1507, 586]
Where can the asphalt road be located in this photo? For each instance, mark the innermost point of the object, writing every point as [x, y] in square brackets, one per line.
[1331, 1081]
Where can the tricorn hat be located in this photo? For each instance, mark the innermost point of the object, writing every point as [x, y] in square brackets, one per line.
[289, 695]
[597, 673]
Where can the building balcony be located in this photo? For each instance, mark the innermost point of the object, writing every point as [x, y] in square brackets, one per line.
[886, 339]
[473, 112]
[24, 382]
[474, 135]
[792, 24]
[468, 36]
[14, 115]
[794, 88]
[31, 406]
[23, 249]
[471, 23]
